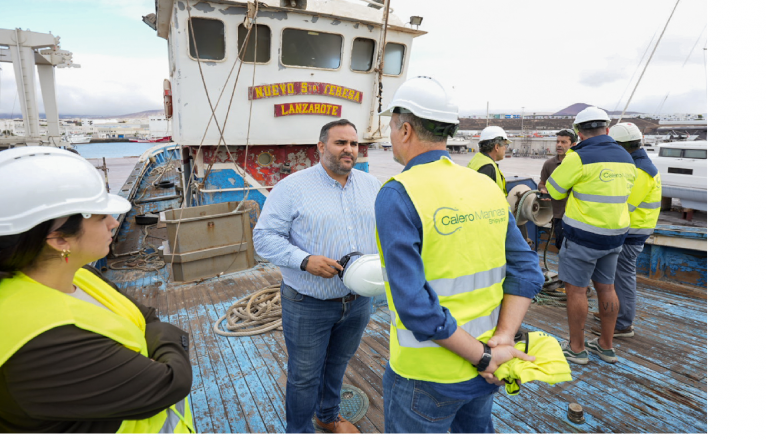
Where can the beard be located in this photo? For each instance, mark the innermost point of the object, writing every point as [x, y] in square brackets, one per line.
[334, 164]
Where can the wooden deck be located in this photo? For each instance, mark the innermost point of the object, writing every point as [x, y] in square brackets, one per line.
[659, 384]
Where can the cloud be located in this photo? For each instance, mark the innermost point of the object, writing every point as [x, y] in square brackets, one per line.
[601, 77]
[693, 101]
[104, 85]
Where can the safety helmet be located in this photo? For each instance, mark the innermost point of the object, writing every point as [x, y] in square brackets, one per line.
[49, 183]
[591, 117]
[364, 276]
[426, 98]
[492, 132]
[625, 132]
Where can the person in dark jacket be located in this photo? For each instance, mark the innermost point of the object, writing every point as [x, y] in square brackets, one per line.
[76, 354]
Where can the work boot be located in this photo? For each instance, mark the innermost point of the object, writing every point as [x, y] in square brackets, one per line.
[338, 426]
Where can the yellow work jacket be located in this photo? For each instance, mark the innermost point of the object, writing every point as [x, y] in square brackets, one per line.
[645, 199]
[463, 254]
[28, 309]
[600, 174]
[481, 159]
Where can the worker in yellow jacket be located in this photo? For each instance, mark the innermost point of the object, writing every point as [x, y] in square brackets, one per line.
[458, 275]
[644, 206]
[600, 175]
[76, 355]
[493, 142]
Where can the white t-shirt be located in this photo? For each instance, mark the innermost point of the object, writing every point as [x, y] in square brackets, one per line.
[81, 294]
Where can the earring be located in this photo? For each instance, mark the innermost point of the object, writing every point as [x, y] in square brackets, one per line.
[65, 255]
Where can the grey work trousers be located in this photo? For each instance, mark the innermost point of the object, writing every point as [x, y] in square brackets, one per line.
[625, 284]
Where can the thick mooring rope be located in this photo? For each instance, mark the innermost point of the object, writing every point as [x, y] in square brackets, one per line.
[258, 313]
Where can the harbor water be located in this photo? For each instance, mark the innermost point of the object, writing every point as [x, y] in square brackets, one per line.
[112, 150]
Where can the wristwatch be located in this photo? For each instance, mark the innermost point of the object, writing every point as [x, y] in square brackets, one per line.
[305, 263]
[486, 358]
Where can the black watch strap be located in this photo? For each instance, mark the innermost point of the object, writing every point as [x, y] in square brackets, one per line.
[486, 358]
[305, 263]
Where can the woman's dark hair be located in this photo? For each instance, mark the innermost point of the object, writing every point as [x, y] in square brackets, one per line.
[21, 250]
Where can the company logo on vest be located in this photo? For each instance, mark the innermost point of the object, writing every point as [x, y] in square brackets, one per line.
[448, 220]
[608, 175]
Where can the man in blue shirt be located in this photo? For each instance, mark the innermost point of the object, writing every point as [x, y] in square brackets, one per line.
[422, 117]
[310, 220]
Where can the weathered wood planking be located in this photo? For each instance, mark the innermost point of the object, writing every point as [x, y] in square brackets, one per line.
[659, 384]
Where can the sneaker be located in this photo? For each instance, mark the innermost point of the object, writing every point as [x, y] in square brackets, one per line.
[578, 358]
[606, 354]
[624, 333]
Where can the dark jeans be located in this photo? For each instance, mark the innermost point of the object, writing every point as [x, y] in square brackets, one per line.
[625, 284]
[321, 337]
[413, 406]
[558, 231]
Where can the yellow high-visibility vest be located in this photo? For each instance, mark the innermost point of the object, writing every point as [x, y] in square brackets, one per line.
[644, 203]
[465, 221]
[481, 159]
[600, 174]
[28, 309]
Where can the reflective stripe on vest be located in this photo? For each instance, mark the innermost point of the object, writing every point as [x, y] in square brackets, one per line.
[599, 199]
[28, 309]
[481, 159]
[475, 328]
[594, 229]
[463, 253]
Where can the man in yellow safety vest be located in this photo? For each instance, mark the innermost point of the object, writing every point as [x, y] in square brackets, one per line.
[458, 275]
[492, 145]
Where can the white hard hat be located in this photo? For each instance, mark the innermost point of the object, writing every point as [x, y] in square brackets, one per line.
[364, 276]
[49, 183]
[426, 98]
[625, 132]
[492, 132]
[592, 114]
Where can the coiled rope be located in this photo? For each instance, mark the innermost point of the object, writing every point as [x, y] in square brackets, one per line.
[258, 313]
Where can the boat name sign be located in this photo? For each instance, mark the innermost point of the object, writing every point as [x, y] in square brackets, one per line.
[307, 108]
[304, 88]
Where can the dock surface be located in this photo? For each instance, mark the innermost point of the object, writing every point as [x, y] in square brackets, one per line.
[659, 384]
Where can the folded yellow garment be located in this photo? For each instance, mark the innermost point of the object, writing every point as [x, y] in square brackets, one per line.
[550, 365]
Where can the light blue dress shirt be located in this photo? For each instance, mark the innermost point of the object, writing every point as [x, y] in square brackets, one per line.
[310, 213]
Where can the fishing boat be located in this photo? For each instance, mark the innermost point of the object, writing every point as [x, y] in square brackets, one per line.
[77, 138]
[152, 140]
[259, 81]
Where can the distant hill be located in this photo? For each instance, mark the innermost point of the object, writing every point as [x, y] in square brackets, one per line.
[574, 109]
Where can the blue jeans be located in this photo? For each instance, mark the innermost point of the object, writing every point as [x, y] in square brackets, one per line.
[412, 406]
[625, 284]
[321, 337]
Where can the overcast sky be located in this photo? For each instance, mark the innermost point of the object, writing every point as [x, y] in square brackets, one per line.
[542, 55]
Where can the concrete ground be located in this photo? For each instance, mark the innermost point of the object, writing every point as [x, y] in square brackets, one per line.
[383, 166]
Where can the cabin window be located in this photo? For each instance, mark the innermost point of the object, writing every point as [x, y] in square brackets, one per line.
[362, 53]
[393, 59]
[304, 48]
[208, 34]
[671, 152]
[695, 154]
[264, 43]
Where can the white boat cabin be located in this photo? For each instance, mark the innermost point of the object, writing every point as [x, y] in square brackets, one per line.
[309, 64]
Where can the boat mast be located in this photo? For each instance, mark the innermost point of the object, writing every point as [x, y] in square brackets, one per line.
[648, 61]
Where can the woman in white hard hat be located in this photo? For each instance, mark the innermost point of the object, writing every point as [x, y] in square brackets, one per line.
[75, 354]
